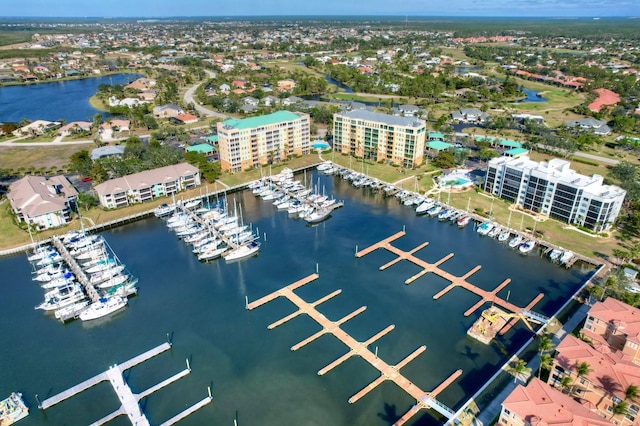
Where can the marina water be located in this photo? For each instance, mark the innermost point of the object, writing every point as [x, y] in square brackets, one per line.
[254, 376]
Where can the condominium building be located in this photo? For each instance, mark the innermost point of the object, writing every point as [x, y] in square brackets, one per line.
[147, 185]
[380, 137]
[44, 202]
[250, 142]
[553, 189]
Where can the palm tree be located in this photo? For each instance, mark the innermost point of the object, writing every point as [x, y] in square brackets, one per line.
[619, 408]
[519, 368]
[631, 393]
[565, 382]
[546, 361]
[544, 345]
[582, 369]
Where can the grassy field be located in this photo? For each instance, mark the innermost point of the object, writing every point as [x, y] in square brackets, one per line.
[293, 65]
[36, 156]
[97, 103]
[294, 163]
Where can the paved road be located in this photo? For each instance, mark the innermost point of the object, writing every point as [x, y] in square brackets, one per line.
[596, 158]
[188, 98]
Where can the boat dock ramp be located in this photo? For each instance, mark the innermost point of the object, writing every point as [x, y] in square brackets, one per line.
[521, 313]
[387, 372]
[129, 400]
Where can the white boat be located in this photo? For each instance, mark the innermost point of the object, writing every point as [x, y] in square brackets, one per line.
[114, 281]
[40, 252]
[212, 254]
[324, 166]
[101, 265]
[164, 210]
[64, 290]
[101, 276]
[71, 311]
[464, 221]
[433, 211]
[527, 246]
[91, 253]
[317, 215]
[67, 278]
[504, 236]
[516, 241]
[555, 254]
[445, 214]
[12, 409]
[242, 252]
[494, 232]
[57, 302]
[103, 307]
[49, 273]
[566, 257]
[485, 228]
[207, 247]
[192, 204]
[49, 259]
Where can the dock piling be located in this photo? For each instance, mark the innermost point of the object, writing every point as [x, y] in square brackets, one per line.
[188, 366]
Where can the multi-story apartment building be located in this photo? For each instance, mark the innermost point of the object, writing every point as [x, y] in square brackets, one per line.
[45, 203]
[380, 137]
[539, 404]
[250, 142]
[553, 189]
[147, 185]
[599, 378]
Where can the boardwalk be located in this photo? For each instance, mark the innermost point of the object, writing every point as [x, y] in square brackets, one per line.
[76, 269]
[128, 400]
[455, 281]
[387, 372]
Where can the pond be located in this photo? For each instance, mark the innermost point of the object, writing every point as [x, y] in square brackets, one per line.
[57, 100]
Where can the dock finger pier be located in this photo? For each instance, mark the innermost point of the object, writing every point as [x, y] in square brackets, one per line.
[387, 372]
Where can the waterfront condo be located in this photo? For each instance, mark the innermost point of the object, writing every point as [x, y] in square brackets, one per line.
[266, 139]
[380, 137]
[553, 189]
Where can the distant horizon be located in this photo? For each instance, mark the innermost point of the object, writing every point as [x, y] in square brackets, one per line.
[381, 15]
[162, 9]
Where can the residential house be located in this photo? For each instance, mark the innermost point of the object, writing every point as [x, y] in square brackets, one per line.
[521, 118]
[598, 127]
[109, 130]
[250, 100]
[147, 185]
[75, 127]
[539, 404]
[225, 88]
[36, 128]
[107, 151]
[286, 85]
[470, 115]
[141, 84]
[291, 100]
[202, 148]
[167, 111]
[407, 110]
[185, 118]
[270, 100]
[44, 202]
[239, 84]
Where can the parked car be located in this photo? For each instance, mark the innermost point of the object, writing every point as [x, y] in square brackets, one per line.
[86, 179]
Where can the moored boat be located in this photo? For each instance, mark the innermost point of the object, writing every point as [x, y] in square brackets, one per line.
[464, 221]
[164, 210]
[317, 215]
[504, 235]
[527, 246]
[243, 251]
[566, 257]
[485, 228]
[516, 241]
[103, 307]
[12, 409]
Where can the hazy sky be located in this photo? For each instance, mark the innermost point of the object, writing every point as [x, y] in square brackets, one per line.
[164, 8]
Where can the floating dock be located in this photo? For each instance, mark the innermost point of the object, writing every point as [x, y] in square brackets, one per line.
[524, 314]
[128, 399]
[387, 372]
[76, 269]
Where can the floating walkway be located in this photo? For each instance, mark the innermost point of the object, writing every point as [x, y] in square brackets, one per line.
[128, 399]
[387, 372]
[485, 296]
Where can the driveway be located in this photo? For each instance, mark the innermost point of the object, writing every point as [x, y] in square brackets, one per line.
[188, 99]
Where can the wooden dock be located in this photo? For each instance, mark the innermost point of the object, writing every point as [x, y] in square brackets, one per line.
[129, 401]
[455, 281]
[76, 269]
[387, 371]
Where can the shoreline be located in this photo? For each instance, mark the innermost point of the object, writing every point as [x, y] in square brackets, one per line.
[63, 79]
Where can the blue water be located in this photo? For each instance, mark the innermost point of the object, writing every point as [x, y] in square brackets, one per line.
[254, 375]
[320, 145]
[346, 88]
[67, 100]
[532, 96]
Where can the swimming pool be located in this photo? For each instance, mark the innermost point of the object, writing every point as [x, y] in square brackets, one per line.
[320, 145]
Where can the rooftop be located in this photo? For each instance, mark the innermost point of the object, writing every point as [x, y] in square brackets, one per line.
[261, 120]
[146, 179]
[37, 195]
[393, 120]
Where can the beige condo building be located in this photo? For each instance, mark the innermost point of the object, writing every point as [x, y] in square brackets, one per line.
[250, 142]
[380, 137]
